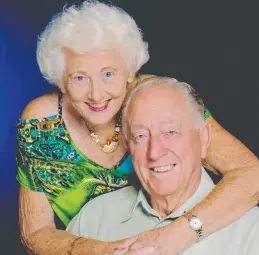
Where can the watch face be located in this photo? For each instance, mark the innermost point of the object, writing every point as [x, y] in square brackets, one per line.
[195, 223]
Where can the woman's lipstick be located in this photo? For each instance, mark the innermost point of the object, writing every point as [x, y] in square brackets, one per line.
[98, 109]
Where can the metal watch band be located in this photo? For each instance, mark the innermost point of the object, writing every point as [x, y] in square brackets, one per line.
[199, 232]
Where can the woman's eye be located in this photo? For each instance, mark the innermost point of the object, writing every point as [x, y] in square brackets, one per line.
[108, 74]
[79, 78]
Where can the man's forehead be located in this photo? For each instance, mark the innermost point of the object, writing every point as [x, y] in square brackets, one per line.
[169, 122]
[158, 97]
[165, 105]
[164, 111]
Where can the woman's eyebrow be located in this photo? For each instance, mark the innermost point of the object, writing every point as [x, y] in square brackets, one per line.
[77, 72]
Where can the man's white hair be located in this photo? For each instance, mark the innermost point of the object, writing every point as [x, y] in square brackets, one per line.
[194, 103]
[87, 27]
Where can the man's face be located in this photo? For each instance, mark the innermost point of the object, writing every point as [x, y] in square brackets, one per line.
[164, 143]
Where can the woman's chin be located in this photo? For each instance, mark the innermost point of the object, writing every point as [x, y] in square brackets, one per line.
[101, 114]
[100, 119]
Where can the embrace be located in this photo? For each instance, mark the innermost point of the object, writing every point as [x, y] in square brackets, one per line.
[80, 147]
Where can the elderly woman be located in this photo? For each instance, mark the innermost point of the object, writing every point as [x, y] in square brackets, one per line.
[70, 148]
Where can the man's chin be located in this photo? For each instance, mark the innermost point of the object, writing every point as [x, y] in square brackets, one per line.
[161, 190]
[162, 193]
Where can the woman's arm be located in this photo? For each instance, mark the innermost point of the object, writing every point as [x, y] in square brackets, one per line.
[238, 191]
[38, 230]
[40, 236]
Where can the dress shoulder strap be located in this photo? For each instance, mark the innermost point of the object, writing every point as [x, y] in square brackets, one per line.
[60, 105]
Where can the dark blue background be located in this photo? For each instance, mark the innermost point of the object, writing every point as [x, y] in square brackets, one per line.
[213, 46]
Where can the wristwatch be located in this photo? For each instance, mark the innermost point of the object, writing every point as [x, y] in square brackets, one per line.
[195, 224]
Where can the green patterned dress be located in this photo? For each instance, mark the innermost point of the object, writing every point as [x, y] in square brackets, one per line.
[48, 161]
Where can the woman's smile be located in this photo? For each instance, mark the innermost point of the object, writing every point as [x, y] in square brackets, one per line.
[98, 107]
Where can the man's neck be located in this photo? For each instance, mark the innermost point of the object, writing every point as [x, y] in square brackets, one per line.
[165, 205]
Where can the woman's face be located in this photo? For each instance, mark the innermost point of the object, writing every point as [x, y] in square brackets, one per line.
[96, 83]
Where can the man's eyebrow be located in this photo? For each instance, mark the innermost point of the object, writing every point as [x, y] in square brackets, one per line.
[175, 123]
[166, 122]
[171, 120]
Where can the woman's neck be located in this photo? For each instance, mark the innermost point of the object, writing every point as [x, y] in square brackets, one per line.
[104, 128]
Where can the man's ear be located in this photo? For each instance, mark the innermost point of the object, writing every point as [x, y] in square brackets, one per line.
[205, 136]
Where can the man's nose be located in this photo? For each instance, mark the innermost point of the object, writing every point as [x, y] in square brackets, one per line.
[95, 94]
[156, 148]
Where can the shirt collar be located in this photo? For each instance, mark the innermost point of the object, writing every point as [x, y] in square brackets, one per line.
[204, 188]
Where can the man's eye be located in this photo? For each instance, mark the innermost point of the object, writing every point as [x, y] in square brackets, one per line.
[140, 137]
[170, 133]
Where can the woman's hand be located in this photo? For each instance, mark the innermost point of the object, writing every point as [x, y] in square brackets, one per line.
[169, 240]
[150, 242]
[130, 247]
[149, 250]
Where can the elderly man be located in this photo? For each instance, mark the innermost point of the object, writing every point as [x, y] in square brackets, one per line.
[168, 138]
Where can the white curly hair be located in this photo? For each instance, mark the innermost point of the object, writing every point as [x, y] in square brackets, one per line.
[90, 26]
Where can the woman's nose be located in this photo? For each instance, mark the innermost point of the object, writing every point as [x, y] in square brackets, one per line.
[96, 93]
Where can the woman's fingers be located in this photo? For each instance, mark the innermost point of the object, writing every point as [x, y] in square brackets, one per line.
[128, 242]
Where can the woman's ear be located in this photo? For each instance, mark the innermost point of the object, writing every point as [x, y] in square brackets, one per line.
[62, 88]
[131, 77]
[131, 82]
[205, 136]
[63, 84]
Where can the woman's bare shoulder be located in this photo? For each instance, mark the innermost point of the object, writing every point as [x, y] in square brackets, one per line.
[42, 106]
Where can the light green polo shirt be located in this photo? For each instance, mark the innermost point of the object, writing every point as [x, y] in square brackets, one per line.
[126, 212]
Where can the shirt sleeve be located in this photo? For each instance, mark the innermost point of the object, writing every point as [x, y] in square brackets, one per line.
[88, 221]
[252, 245]
[74, 225]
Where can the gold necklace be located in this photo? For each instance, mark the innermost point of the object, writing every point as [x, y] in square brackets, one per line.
[111, 145]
